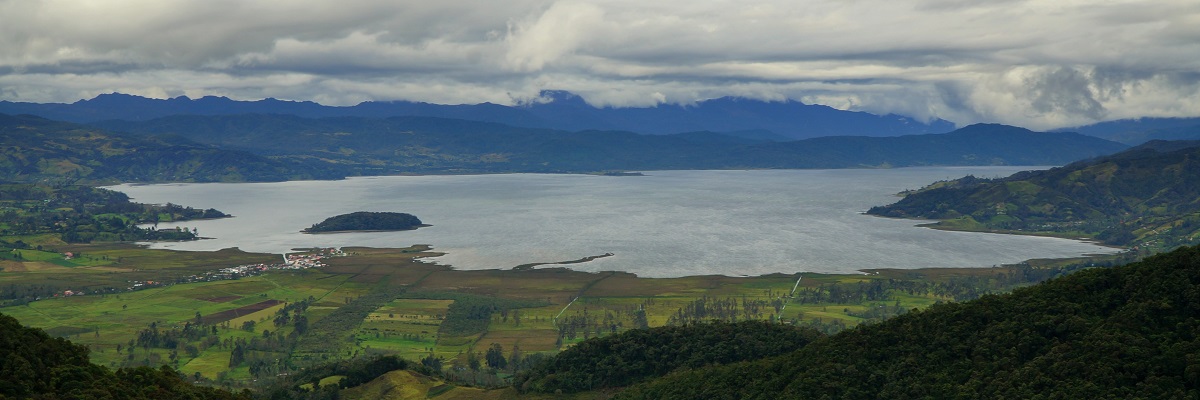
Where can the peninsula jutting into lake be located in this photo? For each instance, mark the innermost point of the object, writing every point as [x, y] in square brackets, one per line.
[367, 221]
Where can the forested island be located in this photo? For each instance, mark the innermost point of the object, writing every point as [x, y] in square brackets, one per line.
[367, 221]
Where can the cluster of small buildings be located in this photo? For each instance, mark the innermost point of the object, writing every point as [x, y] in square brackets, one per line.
[290, 261]
[310, 259]
[139, 285]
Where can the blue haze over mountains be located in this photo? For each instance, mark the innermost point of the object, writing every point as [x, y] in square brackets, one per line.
[777, 121]
[559, 110]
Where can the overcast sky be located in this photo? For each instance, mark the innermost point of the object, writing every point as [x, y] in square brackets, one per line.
[1039, 64]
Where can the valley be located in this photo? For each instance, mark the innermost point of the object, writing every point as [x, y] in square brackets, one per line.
[482, 311]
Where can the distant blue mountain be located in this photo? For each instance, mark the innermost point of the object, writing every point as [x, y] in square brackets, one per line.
[379, 146]
[792, 119]
[1141, 130]
[564, 111]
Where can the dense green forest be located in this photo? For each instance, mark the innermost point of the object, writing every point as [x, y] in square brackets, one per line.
[33, 149]
[34, 365]
[1147, 197]
[641, 354]
[367, 221]
[1103, 333]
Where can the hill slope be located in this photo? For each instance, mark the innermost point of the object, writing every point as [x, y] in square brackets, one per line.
[421, 144]
[1146, 196]
[1123, 332]
[33, 149]
[637, 355]
[980, 144]
[36, 365]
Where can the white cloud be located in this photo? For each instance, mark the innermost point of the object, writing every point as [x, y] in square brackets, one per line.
[1033, 63]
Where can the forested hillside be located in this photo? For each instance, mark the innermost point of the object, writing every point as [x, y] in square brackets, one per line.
[79, 214]
[643, 354]
[1113, 333]
[34, 149]
[1148, 196]
[34, 365]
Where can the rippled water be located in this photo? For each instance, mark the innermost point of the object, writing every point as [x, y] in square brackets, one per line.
[668, 223]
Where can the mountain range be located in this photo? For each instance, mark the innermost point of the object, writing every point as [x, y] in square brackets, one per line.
[558, 110]
[436, 145]
[1141, 130]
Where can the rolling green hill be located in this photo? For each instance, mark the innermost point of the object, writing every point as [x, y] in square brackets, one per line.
[1148, 196]
[35, 149]
[1115, 333]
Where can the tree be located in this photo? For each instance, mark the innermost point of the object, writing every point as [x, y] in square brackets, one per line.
[473, 360]
[301, 325]
[237, 356]
[432, 362]
[514, 358]
[495, 357]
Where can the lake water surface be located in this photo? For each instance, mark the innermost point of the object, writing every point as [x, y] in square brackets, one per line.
[665, 224]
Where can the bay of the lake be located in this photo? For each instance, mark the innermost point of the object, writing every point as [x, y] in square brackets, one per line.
[664, 224]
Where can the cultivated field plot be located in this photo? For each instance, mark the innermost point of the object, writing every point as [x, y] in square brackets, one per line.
[405, 326]
[556, 285]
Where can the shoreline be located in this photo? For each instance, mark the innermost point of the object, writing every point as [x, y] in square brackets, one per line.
[530, 266]
[107, 184]
[936, 225]
[431, 252]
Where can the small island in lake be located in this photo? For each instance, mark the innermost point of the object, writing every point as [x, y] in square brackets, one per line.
[367, 221]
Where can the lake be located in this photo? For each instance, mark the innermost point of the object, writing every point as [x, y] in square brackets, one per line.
[664, 224]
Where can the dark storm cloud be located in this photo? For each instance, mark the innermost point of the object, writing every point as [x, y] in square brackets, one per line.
[1064, 90]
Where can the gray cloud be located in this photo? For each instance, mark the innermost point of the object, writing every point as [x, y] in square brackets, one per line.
[1031, 63]
[1064, 90]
